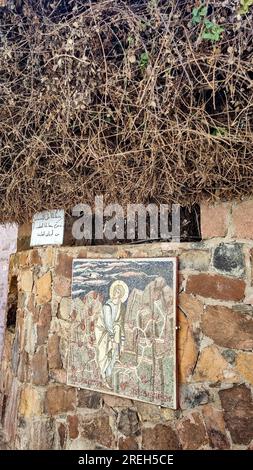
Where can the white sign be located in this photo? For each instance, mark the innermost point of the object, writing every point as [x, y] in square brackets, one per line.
[48, 228]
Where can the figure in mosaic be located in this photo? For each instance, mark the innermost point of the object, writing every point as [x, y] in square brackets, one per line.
[109, 329]
[123, 328]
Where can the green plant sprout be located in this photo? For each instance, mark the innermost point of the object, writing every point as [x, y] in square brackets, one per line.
[211, 31]
[219, 131]
[245, 6]
[130, 40]
[144, 60]
[198, 14]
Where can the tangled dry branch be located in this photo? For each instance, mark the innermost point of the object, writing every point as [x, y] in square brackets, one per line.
[125, 99]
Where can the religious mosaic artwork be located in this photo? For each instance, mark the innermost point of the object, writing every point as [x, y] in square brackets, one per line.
[123, 328]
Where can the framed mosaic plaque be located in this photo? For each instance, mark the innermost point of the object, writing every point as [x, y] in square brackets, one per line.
[123, 328]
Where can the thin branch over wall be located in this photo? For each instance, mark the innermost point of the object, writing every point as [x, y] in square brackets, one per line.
[137, 100]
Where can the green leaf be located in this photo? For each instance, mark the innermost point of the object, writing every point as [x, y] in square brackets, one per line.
[203, 11]
[144, 59]
[219, 131]
[209, 24]
[198, 14]
[130, 40]
[208, 35]
[245, 6]
[212, 31]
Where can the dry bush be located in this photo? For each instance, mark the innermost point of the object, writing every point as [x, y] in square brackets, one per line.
[124, 99]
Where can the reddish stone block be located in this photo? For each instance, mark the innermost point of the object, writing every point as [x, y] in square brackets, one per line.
[64, 265]
[242, 218]
[191, 307]
[215, 220]
[228, 328]
[35, 258]
[192, 432]
[187, 349]
[62, 286]
[62, 431]
[128, 444]
[160, 437]
[53, 350]
[43, 326]
[39, 367]
[60, 399]
[216, 287]
[237, 404]
[23, 367]
[45, 315]
[73, 426]
[32, 308]
[215, 426]
[99, 430]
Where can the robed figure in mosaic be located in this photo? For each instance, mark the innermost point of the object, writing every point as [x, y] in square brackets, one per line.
[109, 329]
[123, 328]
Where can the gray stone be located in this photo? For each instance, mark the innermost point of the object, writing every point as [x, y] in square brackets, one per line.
[42, 434]
[193, 395]
[80, 444]
[128, 422]
[23, 434]
[22, 423]
[229, 355]
[229, 258]
[3, 444]
[244, 309]
[36, 434]
[196, 260]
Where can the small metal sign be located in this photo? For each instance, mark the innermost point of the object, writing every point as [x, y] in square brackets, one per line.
[48, 228]
[123, 328]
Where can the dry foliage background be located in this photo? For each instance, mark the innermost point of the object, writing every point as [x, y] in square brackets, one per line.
[124, 99]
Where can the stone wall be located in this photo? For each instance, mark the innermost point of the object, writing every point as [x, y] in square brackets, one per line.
[215, 350]
[8, 243]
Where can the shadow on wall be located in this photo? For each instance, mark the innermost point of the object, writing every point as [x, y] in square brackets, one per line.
[8, 245]
[12, 305]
